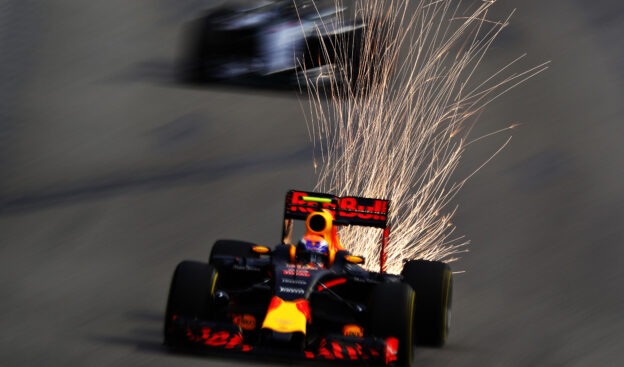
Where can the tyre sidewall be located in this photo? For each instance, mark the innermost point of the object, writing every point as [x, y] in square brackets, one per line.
[432, 281]
[190, 294]
[391, 314]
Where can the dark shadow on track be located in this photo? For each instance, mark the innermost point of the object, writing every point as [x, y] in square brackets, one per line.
[107, 186]
[147, 337]
[165, 72]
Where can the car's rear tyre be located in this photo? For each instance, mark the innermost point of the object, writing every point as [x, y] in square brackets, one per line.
[433, 283]
[232, 248]
[195, 51]
[391, 314]
[366, 61]
[190, 295]
[203, 49]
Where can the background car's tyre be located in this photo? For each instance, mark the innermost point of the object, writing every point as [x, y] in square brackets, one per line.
[433, 283]
[195, 51]
[367, 72]
[204, 49]
[391, 314]
[232, 248]
[190, 295]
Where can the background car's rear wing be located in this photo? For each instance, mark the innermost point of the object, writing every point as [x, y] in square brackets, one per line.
[349, 210]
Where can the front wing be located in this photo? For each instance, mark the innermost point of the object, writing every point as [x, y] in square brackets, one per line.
[229, 337]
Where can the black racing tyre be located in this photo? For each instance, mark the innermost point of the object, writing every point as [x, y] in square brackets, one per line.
[195, 52]
[203, 49]
[190, 295]
[391, 314]
[281, 253]
[354, 77]
[232, 248]
[433, 283]
[367, 59]
[360, 78]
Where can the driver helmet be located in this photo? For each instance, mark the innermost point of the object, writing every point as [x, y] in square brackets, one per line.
[315, 243]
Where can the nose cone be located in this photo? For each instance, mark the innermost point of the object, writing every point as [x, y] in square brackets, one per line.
[287, 316]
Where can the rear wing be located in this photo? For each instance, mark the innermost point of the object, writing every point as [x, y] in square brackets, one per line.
[348, 210]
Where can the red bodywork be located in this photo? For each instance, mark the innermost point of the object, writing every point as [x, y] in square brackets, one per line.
[228, 337]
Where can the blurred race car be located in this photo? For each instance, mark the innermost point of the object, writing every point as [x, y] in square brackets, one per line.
[278, 40]
[310, 300]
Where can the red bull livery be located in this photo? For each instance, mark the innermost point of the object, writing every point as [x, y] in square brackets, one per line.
[310, 299]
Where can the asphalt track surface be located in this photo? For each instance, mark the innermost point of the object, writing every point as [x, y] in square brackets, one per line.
[111, 173]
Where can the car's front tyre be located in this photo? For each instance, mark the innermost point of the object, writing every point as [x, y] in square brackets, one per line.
[391, 315]
[190, 295]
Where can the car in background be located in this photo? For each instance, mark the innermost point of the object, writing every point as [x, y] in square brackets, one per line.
[288, 42]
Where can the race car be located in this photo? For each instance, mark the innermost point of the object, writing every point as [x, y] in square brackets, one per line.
[287, 42]
[313, 299]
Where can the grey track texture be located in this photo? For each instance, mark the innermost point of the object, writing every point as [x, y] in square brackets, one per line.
[111, 173]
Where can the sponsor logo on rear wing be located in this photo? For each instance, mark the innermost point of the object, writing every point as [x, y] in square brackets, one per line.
[349, 210]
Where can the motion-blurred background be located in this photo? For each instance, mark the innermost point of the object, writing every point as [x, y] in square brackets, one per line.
[111, 172]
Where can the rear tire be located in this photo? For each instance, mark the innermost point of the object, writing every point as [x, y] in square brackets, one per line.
[392, 311]
[367, 72]
[190, 295]
[203, 49]
[433, 283]
[195, 51]
[232, 248]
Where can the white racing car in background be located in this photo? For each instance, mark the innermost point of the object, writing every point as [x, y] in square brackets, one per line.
[289, 41]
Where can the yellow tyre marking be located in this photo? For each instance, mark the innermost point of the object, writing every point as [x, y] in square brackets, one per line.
[214, 283]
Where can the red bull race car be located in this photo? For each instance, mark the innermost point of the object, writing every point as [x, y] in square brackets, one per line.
[311, 300]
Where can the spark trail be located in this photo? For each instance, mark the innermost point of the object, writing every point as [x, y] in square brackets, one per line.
[399, 129]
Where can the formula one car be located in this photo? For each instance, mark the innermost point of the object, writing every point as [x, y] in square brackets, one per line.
[284, 41]
[310, 300]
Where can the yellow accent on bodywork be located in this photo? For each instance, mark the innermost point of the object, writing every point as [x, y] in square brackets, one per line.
[329, 220]
[292, 252]
[261, 249]
[317, 199]
[354, 259]
[353, 330]
[285, 318]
